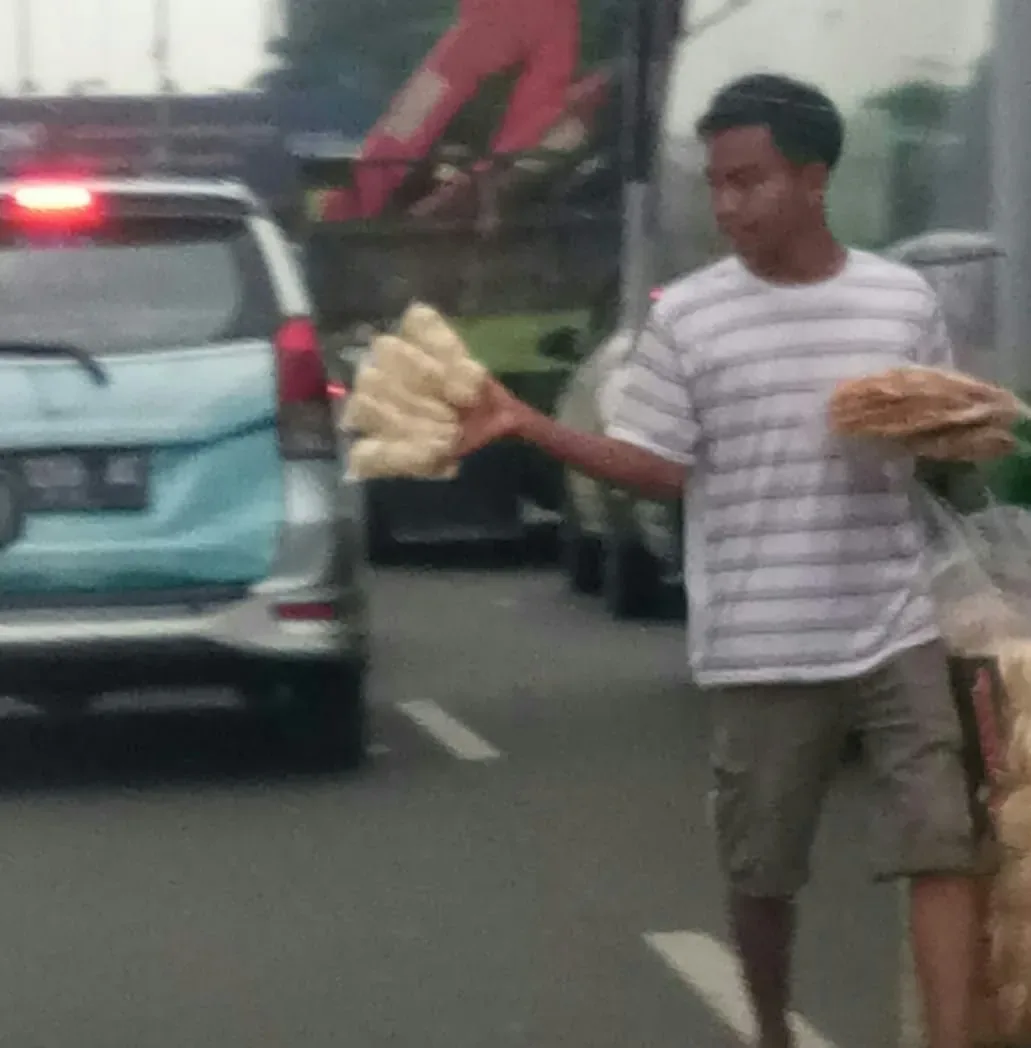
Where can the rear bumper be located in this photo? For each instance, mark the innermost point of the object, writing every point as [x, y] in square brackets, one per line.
[43, 651]
[101, 669]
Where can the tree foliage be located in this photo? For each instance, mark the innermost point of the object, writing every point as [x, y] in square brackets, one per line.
[916, 104]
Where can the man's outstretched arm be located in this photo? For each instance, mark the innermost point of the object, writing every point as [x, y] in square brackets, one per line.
[605, 458]
[650, 441]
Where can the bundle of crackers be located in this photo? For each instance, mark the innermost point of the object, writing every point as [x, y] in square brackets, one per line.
[931, 412]
[407, 397]
[982, 589]
[1009, 904]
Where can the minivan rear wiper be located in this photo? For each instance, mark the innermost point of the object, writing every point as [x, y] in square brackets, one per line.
[57, 349]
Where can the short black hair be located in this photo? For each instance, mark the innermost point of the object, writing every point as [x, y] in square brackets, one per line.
[804, 123]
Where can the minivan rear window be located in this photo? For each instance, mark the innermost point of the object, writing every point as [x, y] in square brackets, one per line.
[135, 283]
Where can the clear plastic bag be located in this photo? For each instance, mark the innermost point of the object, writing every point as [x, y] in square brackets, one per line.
[979, 573]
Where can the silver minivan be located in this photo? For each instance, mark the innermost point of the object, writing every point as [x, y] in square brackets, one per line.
[173, 511]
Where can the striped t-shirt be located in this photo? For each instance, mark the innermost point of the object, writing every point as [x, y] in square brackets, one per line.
[803, 556]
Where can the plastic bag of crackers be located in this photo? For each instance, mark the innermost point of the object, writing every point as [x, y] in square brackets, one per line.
[980, 576]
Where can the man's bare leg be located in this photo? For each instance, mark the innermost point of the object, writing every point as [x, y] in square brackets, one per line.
[943, 927]
[764, 931]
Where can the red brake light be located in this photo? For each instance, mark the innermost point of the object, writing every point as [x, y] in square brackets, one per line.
[302, 374]
[54, 202]
[305, 418]
[314, 611]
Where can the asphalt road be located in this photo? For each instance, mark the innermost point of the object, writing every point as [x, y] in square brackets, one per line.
[525, 864]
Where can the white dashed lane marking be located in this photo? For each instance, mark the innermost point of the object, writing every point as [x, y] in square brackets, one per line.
[452, 734]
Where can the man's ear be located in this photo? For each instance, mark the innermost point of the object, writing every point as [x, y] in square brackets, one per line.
[815, 178]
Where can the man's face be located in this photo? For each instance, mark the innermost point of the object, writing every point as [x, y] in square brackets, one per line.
[759, 198]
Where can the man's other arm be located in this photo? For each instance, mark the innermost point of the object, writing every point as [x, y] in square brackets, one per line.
[650, 442]
[605, 458]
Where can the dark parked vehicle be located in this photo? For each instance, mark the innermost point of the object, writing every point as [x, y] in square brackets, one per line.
[613, 543]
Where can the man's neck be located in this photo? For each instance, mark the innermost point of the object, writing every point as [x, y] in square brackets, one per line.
[809, 259]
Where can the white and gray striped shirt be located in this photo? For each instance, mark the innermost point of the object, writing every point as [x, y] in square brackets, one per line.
[803, 549]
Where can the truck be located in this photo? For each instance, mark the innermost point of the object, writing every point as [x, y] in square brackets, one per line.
[490, 187]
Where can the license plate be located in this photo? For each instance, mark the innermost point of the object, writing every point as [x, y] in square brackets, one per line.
[84, 481]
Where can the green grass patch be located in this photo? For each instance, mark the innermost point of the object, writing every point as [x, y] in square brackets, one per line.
[508, 344]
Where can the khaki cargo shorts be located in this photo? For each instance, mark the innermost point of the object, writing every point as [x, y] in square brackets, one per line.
[776, 748]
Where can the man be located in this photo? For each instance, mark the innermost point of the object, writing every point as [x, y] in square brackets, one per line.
[808, 616]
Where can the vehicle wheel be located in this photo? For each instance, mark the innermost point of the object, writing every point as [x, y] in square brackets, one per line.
[583, 559]
[632, 581]
[325, 716]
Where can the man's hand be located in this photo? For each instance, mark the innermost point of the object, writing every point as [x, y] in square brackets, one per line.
[497, 414]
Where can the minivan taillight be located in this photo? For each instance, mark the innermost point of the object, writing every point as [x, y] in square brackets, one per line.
[305, 414]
